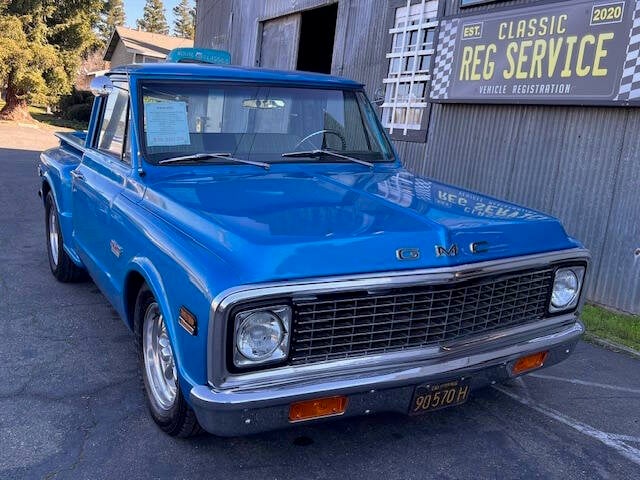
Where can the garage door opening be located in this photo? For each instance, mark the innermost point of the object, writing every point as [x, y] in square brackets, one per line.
[317, 30]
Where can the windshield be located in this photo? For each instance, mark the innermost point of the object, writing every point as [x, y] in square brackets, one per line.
[259, 123]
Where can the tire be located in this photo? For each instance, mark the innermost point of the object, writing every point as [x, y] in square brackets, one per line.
[163, 394]
[62, 267]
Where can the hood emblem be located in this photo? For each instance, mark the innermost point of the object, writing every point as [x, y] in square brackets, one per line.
[479, 247]
[408, 253]
[441, 251]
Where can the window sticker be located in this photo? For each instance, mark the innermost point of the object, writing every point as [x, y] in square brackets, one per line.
[166, 124]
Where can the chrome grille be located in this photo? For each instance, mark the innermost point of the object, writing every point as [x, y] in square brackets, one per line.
[341, 325]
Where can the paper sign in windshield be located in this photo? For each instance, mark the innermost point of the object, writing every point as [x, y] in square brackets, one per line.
[166, 124]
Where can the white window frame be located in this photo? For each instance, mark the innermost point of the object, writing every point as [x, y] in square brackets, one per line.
[403, 78]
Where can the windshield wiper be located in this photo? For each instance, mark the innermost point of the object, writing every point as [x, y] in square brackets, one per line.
[195, 157]
[320, 152]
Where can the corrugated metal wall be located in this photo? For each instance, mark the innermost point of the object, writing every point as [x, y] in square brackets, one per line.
[574, 163]
[581, 164]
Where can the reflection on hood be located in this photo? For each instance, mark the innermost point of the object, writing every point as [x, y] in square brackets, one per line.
[297, 223]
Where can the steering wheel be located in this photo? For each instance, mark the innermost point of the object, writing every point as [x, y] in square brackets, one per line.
[343, 141]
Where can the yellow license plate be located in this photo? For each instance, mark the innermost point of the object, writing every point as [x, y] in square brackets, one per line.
[427, 398]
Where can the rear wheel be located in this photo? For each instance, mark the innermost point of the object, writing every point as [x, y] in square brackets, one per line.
[160, 378]
[61, 265]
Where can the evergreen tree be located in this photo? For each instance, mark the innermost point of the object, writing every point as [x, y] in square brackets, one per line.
[41, 45]
[153, 18]
[112, 16]
[184, 23]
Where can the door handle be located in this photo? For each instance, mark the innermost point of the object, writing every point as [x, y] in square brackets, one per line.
[77, 175]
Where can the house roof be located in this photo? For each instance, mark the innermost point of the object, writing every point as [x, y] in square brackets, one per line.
[145, 43]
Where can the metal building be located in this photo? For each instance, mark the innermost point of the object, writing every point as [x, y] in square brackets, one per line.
[527, 101]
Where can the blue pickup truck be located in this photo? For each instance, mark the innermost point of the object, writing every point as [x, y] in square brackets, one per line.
[276, 264]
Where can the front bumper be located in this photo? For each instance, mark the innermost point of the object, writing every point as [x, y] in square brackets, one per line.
[241, 411]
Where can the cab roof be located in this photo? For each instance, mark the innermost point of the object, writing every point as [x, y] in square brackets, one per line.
[229, 72]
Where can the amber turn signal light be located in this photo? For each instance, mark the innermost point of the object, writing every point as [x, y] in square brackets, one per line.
[188, 321]
[530, 362]
[320, 407]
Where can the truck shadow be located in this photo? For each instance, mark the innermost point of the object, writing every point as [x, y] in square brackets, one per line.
[358, 444]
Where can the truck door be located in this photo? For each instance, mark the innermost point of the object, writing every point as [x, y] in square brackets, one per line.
[96, 182]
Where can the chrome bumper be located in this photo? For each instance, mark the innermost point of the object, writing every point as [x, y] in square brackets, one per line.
[241, 411]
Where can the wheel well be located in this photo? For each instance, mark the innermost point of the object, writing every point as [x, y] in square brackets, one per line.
[46, 188]
[132, 286]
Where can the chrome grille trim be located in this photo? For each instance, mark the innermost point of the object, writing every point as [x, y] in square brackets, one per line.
[222, 303]
[332, 326]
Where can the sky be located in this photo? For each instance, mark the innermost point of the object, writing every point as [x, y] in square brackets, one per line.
[133, 11]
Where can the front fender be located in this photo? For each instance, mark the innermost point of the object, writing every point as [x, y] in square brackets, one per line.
[153, 279]
[182, 343]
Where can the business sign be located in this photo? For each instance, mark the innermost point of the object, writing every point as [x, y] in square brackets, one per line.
[571, 52]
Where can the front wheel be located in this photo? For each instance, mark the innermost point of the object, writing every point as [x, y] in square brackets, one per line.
[160, 378]
[60, 263]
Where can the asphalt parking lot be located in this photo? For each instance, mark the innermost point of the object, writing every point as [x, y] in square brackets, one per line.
[71, 405]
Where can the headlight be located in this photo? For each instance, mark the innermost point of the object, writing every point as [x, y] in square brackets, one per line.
[566, 288]
[261, 336]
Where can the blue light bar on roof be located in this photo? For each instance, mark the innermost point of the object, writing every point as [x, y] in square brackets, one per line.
[199, 55]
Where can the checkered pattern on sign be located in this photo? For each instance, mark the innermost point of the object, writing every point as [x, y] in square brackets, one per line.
[630, 81]
[444, 59]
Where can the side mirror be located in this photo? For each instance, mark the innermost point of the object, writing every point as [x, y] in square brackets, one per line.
[101, 86]
[378, 96]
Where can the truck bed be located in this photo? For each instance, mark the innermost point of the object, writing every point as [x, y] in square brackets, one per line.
[73, 140]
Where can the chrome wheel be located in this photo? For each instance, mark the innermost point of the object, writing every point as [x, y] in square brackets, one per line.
[54, 236]
[158, 359]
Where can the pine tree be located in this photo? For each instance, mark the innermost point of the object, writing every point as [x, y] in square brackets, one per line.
[184, 23]
[112, 16]
[41, 45]
[153, 18]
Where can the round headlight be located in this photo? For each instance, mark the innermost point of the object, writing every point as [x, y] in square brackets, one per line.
[565, 288]
[259, 335]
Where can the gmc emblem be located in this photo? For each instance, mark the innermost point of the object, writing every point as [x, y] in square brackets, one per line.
[408, 253]
[441, 251]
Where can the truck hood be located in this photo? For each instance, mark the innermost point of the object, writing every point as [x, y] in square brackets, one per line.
[295, 224]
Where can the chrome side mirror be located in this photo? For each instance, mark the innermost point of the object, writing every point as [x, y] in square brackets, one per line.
[101, 86]
[378, 96]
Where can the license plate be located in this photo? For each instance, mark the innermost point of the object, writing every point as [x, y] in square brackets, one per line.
[427, 398]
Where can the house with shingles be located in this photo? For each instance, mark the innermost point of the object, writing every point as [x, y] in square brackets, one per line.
[135, 46]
